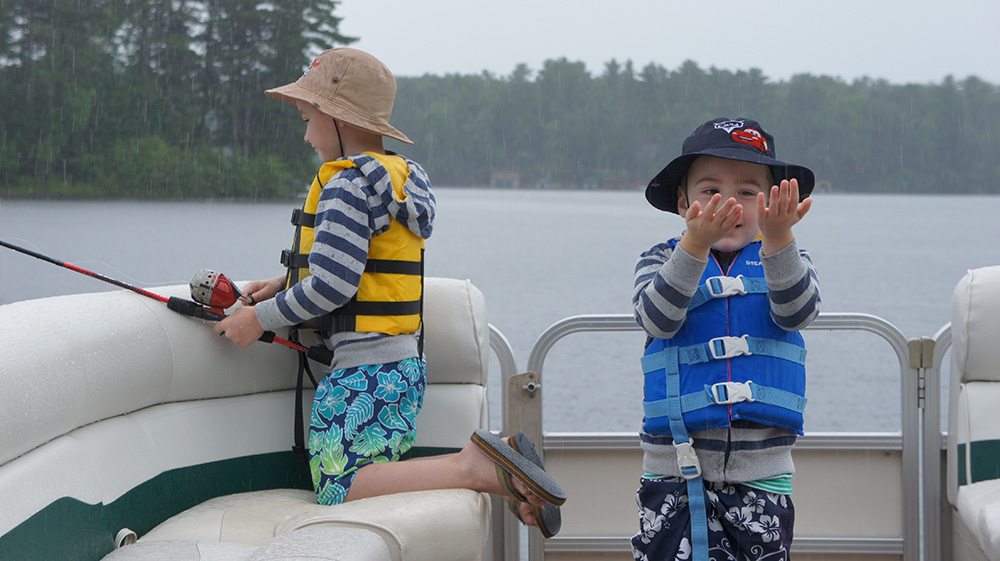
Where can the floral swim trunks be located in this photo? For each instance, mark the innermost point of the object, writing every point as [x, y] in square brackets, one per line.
[360, 416]
[744, 523]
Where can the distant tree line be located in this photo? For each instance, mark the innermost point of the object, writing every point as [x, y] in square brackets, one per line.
[164, 98]
[155, 98]
[563, 126]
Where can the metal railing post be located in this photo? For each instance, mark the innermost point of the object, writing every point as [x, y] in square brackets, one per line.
[508, 548]
[935, 350]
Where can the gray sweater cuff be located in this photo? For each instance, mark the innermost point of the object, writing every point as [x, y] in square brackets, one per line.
[684, 271]
[783, 269]
[269, 316]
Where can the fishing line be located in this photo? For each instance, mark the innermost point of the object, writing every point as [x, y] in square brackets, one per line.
[179, 305]
[121, 274]
[118, 272]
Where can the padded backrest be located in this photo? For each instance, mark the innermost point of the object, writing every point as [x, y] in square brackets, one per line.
[973, 430]
[975, 326]
[69, 361]
[456, 347]
[457, 333]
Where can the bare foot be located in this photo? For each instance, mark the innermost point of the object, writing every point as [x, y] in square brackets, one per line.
[527, 514]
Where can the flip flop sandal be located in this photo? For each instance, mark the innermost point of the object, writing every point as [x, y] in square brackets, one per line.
[510, 461]
[548, 517]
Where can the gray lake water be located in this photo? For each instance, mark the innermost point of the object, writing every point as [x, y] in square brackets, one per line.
[541, 256]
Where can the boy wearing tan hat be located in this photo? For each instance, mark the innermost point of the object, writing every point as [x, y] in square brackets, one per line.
[355, 273]
[724, 364]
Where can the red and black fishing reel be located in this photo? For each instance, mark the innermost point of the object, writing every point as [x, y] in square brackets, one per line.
[214, 290]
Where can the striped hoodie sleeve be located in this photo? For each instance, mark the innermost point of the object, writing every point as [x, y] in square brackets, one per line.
[665, 281]
[343, 233]
[792, 287]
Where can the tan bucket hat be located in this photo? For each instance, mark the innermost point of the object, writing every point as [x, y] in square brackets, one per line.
[349, 85]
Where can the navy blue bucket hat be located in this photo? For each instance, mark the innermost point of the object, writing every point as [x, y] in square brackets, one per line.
[733, 139]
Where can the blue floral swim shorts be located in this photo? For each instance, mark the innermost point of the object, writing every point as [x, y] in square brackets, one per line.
[360, 416]
[744, 523]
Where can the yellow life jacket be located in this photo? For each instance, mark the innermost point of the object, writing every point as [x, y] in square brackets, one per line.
[390, 295]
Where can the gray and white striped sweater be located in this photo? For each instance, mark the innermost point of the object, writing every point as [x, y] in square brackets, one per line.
[665, 281]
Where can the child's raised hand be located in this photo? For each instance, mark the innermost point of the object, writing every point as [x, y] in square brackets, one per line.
[779, 214]
[707, 226]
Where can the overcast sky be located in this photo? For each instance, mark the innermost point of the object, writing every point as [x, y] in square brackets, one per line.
[917, 41]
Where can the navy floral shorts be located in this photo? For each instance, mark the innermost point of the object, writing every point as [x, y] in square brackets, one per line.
[360, 416]
[744, 523]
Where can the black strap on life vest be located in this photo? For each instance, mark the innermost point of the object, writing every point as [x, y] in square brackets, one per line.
[299, 448]
[302, 218]
[299, 218]
[294, 260]
[420, 338]
[344, 318]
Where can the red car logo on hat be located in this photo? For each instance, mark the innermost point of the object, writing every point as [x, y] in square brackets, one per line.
[314, 64]
[751, 137]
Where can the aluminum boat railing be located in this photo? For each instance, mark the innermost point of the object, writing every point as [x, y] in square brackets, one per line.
[920, 441]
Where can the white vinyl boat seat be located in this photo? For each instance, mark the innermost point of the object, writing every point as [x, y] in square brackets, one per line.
[426, 525]
[119, 413]
[334, 543]
[973, 425]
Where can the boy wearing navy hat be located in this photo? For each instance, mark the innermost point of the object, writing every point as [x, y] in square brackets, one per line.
[724, 365]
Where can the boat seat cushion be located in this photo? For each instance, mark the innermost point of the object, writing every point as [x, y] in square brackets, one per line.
[330, 543]
[977, 433]
[973, 434]
[979, 510]
[977, 465]
[457, 341]
[181, 551]
[973, 471]
[975, 323]
[440, 525]
[118, 352]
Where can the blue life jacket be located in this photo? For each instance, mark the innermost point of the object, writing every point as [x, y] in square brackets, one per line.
[729, 361]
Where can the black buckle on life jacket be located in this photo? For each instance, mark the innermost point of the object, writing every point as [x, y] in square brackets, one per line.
[303, 218]
[294, 260]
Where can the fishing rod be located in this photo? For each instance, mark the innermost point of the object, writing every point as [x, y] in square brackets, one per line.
[182, 306]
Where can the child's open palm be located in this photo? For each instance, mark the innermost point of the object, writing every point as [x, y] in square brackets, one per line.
[779, 214]
[709, 225]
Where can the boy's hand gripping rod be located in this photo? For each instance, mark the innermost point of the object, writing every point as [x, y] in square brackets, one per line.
[182, 306]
